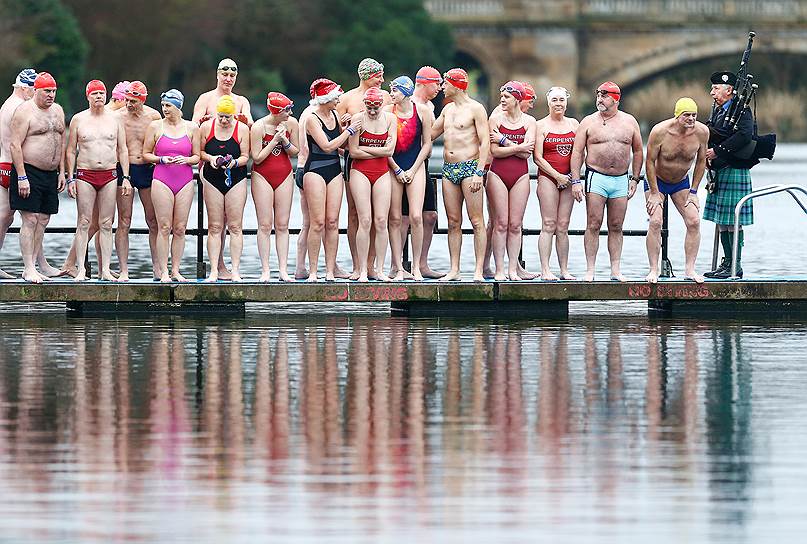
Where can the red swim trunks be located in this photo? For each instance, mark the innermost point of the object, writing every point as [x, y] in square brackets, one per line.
[97, 178]
[5, 174]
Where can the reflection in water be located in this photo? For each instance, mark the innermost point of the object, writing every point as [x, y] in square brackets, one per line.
[376, 429]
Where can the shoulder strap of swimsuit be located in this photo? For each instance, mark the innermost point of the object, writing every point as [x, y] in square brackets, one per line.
[212, 130]
[235, 133]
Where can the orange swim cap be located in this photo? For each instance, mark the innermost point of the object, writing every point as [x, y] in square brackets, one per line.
[136, 90]
[44, 81]
[373, 97]
[427, 74]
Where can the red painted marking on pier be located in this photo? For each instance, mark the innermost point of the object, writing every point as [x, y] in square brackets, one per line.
[337, 298]
[380, 294]
[639, 291]
[683, 291]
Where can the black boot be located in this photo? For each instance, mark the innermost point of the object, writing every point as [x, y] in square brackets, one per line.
[725, 264]
[726, 273]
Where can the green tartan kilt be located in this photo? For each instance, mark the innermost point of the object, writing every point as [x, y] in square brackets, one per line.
[732, 184]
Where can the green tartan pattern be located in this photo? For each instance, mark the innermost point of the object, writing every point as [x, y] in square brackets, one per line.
[732, 185]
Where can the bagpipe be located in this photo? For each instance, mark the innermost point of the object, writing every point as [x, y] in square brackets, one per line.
[744, 95]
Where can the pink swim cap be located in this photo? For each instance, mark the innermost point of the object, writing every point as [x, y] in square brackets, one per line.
[119, 92]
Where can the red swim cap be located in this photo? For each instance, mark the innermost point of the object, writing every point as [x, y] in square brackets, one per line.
[427, 74]
[136, 90]
[44, 81]
[373, 97]
[277, 102]
[529, 91]
[612, 89]
[515, 88]
[458, 78]
[94, 85]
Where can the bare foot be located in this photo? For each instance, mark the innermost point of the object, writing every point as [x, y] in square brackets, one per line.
[372, 275]
[417, 276]
[431, 274]
[478, 277]
[312, 279]
[70, 272]
[43, 276]
[225, 274]
[652, 277]
[353, 275]
[383, 277]
[498, 277]
[31, 276]
[165, 278]
[176, 276]
[51, 271]
[564, 275]
[299, 274]
[107, 276]
[398, 276]
[513, 275]
[589, 275]
[547, 275]
[488, 274]
[237, 277]
[618, 277]
[694, 276]
[525, 275]
[124, 276]
[341, 274]
[265, 276]
[212, 278]
[114, 274]
[453, 275]
[284, 277]
[80, 276]
[5, 275]
[363, 278]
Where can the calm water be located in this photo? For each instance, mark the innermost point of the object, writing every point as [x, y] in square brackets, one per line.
[374, 429]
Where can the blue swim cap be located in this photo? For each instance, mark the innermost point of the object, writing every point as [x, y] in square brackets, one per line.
[403, 84]
[173, 96]
[25, 78]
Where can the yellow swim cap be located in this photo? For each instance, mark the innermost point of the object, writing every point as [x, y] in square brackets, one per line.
[685, 104]
[226, 105]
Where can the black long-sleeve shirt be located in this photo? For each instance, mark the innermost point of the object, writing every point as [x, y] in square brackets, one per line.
[727, 141]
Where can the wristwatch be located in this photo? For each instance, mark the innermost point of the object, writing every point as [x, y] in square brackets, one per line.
[637, 179]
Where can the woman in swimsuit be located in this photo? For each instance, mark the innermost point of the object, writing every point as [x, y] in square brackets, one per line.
[225, 153]
[370, 150]
[412, 147]
[172, 144]
[508, 184]
[553, 154]
[274, 139]
[322, 174]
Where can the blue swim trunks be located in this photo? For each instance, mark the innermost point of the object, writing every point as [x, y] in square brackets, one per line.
[455, 172]
[606, 186]
[669, 188]
[141, 174]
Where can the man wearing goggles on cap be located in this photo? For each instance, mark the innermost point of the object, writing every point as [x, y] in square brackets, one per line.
[205, 109]
[466, 141]
[37, 142]
[23, 90]
[136, 117]
[371, 75]
[611, 143]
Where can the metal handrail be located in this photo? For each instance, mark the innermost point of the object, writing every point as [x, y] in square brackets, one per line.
[762, 191]
[201, 231]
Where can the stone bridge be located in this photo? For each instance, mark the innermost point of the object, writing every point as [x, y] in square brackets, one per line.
[580, 43]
